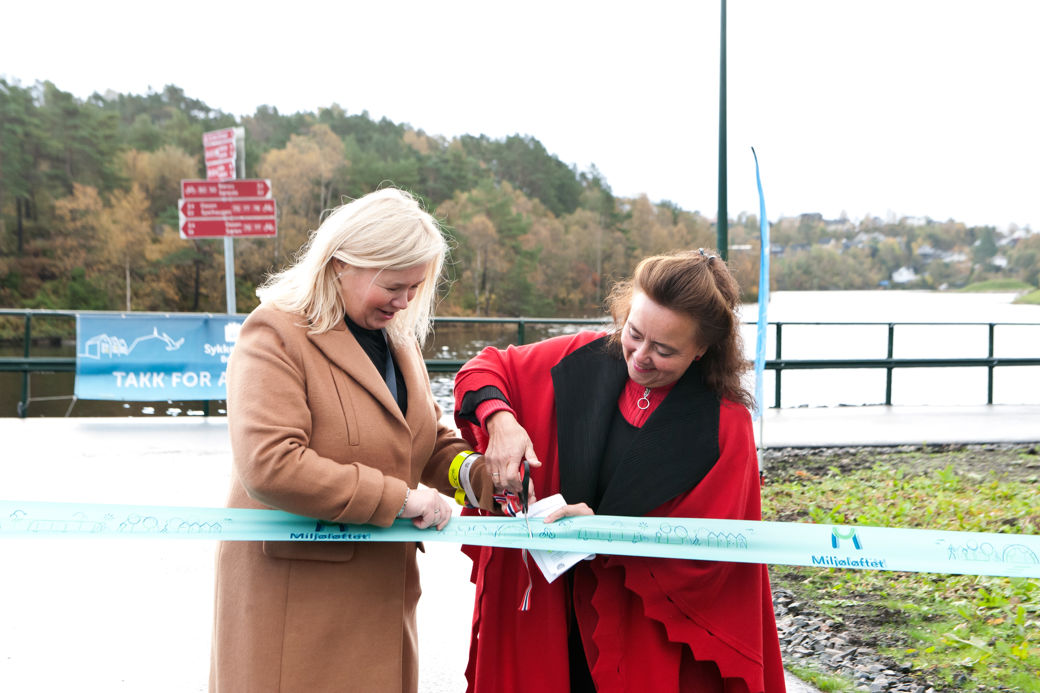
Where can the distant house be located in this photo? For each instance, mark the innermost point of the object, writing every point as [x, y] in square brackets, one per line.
[928, 252]
[839, 226]
[863, 238]
[904, 275]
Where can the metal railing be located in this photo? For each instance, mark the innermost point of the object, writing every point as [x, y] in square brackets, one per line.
[889, 363]
[28, 364]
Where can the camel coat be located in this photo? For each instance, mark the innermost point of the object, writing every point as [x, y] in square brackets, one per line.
[315, 431]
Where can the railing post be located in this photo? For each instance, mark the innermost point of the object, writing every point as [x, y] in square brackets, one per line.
[989, 389]
[521, 332]
[23, 404]
[888, 371]
[779, 367]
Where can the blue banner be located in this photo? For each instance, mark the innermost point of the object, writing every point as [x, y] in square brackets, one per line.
[763, 293]
[153, 357]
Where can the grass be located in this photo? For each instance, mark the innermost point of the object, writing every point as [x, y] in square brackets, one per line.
[1033, 298]
[827, 684]
[952, 629]
[999, 285]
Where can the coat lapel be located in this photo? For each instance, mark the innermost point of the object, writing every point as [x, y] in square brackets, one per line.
[671, 453]
[586, 384]
[413, 368]
[340, 347]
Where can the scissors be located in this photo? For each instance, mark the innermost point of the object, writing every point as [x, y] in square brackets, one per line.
[524, 494]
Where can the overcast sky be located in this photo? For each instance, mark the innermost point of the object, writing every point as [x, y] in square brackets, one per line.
[880, 107]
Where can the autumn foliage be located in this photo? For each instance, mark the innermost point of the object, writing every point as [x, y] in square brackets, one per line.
[89, 191]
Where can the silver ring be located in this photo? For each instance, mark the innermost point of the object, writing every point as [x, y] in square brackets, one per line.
[494, 473]
[436, 511]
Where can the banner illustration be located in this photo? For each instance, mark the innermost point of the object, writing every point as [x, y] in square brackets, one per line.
[147, 357]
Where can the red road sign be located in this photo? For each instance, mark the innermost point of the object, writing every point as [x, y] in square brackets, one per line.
[220, 170]
[220, 152]
[245, 207]
[218, 136]
[219, 228]
[246, 187]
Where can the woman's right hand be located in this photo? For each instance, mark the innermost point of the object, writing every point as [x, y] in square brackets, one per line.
[508, 446]
[574, 510]
[427, 507]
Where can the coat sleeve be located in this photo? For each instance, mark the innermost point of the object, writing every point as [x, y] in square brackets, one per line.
[270, 422]
[448, 445]
[522, 374]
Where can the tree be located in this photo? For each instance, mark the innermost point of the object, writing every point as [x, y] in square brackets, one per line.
[445, 170]
[986, 245]
[81, 216]
[17, 137]
[79, 144]
[125, 233]
[524, 162]
[1025, 259]
[587, 235]
[824, 268]
[889, 255]
[108, 240]
[486, 259]
[506, 287]
[302, 175]
[158, 174]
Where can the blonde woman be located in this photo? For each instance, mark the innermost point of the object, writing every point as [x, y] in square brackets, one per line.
[331, 416]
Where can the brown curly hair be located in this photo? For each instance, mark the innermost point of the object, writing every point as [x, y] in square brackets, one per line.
[696, 283]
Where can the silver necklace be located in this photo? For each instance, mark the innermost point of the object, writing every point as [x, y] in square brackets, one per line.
[644, 401]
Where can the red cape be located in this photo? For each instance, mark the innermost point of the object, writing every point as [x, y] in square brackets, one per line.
[646, 623]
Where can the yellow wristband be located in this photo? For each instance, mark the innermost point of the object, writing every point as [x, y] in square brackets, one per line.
[456, 464]
[460, 497]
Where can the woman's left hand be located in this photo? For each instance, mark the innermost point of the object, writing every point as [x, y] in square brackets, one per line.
[569, 511]
[426, 507]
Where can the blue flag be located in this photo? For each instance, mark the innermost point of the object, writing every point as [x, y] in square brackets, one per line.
[763, 293]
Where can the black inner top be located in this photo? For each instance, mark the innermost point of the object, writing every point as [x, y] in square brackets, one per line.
[374, 344]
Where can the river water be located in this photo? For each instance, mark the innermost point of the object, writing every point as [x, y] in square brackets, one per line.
[942, 333]
[50, 394]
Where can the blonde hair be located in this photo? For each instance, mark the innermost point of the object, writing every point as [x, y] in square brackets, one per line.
[386, 230]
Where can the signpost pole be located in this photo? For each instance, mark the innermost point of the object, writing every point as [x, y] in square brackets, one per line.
[229, 273]
[229, 243]
[226, 203]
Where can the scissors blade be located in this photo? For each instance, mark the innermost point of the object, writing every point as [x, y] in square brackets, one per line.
[525, 494]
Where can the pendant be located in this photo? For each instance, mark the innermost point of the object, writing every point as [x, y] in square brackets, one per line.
[644, 401]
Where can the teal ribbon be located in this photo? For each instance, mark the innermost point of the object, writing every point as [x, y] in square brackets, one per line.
[741, 541]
